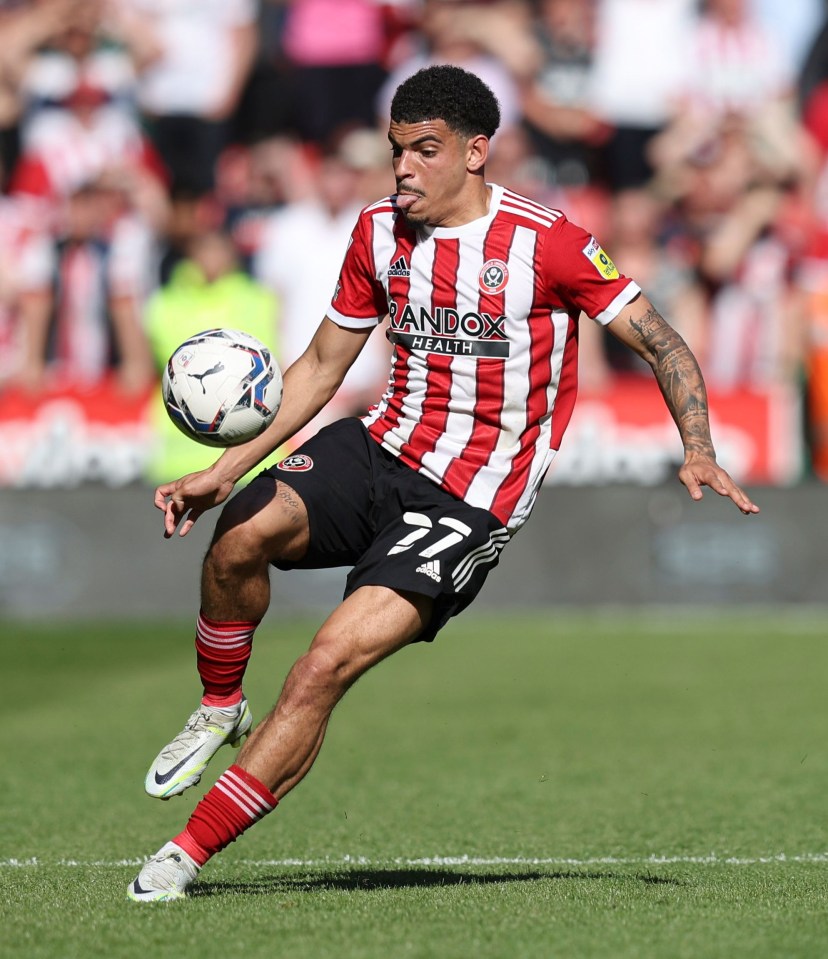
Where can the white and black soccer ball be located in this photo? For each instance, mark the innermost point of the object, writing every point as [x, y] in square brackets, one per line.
[222, 387]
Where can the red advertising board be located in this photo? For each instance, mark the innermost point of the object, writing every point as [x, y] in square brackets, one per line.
[63, 438]
[625, 434]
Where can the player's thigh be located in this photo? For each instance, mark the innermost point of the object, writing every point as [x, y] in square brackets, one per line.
[370, 624]
[333, 475]
[267, 518]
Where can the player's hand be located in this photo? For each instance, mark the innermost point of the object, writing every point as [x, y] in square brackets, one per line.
[184, 500]
[699, 470]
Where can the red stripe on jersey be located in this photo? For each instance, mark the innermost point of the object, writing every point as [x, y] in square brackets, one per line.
[542, 342]
[567, 388]
[435, 409]
[398, 288]
[488, 406]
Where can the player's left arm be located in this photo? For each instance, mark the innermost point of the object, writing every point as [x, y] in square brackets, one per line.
[642, 328]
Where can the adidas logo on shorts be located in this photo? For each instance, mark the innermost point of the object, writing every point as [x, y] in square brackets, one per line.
[431, 568]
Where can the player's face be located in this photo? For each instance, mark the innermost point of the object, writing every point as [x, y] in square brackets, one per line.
[432, 167]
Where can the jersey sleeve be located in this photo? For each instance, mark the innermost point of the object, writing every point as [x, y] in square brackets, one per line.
[580, 273]
[359, 300]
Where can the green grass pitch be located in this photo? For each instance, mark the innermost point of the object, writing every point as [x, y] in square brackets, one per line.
[557, 785]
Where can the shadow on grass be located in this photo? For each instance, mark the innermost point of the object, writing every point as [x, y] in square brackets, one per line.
[368, 880]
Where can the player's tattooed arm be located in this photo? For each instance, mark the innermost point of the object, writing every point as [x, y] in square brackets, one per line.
[642, 328]
[679, 378]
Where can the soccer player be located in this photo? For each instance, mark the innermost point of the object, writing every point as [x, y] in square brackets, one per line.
[483, 289]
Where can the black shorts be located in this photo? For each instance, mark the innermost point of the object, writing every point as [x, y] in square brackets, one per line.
[395, 527]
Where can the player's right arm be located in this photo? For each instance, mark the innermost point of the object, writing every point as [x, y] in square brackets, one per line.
[309, 384]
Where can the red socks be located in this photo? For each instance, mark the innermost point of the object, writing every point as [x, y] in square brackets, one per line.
[236, 802]
[222, 654]
[238, 799]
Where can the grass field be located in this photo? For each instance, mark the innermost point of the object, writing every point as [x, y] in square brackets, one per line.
[565, 785]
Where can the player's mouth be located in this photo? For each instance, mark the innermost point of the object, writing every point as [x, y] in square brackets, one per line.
[406, 199]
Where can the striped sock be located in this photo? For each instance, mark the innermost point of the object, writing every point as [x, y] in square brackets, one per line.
[234, 804]
[222, 653]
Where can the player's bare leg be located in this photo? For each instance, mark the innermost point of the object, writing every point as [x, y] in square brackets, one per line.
[265, 520]
[367, 627]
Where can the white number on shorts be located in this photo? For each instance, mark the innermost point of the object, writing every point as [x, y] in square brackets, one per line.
[423, 524]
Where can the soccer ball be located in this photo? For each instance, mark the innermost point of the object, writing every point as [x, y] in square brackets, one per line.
[222, 387]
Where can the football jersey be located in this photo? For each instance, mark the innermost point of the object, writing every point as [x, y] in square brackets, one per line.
[483, 320]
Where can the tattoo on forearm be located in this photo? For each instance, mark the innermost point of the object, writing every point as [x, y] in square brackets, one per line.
[679, 378]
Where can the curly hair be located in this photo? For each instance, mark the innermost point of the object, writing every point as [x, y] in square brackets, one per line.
[459, 98]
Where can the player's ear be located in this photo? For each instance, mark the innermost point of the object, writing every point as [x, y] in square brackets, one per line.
[477, 152]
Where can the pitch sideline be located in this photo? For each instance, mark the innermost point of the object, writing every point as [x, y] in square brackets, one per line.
[712, 859]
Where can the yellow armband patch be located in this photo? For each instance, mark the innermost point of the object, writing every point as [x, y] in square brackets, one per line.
[602, 263]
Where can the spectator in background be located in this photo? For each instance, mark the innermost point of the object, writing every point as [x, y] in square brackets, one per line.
[462, 33]
[206, 290]
[301, 253]
[76, 55]
[736, 67]
[255, 181]
[642, 247]
[640, 65]
[193, 60]
[336, 49]
[102, 272]
[737, 159]
[25, 28]
[733, 197]
[556, 102]
[26, 298]
[80, 121]
[738, 77]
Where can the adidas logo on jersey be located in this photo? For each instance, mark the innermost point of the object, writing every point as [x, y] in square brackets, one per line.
[431, 568]
[399, 268]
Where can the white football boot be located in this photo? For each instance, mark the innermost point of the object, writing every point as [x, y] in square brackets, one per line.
[166, 876]
[180, 764]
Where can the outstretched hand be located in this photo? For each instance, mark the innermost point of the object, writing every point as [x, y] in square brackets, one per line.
[184, 500]
[699, 470]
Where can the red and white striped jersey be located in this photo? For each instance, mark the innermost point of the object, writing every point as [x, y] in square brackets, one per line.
[483, 319]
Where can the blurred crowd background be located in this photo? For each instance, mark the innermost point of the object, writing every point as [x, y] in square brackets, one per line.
[169, 166]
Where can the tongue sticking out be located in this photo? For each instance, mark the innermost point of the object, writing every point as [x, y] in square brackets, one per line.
[406, 200]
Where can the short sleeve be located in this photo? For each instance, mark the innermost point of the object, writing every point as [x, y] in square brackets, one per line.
[581, 274]
[359, 300]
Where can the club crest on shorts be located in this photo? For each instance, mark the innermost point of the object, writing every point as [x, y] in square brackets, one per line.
[493, 276]
[296, 463]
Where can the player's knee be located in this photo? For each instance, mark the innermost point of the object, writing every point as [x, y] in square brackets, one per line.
[320, 673]
[234, 552]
